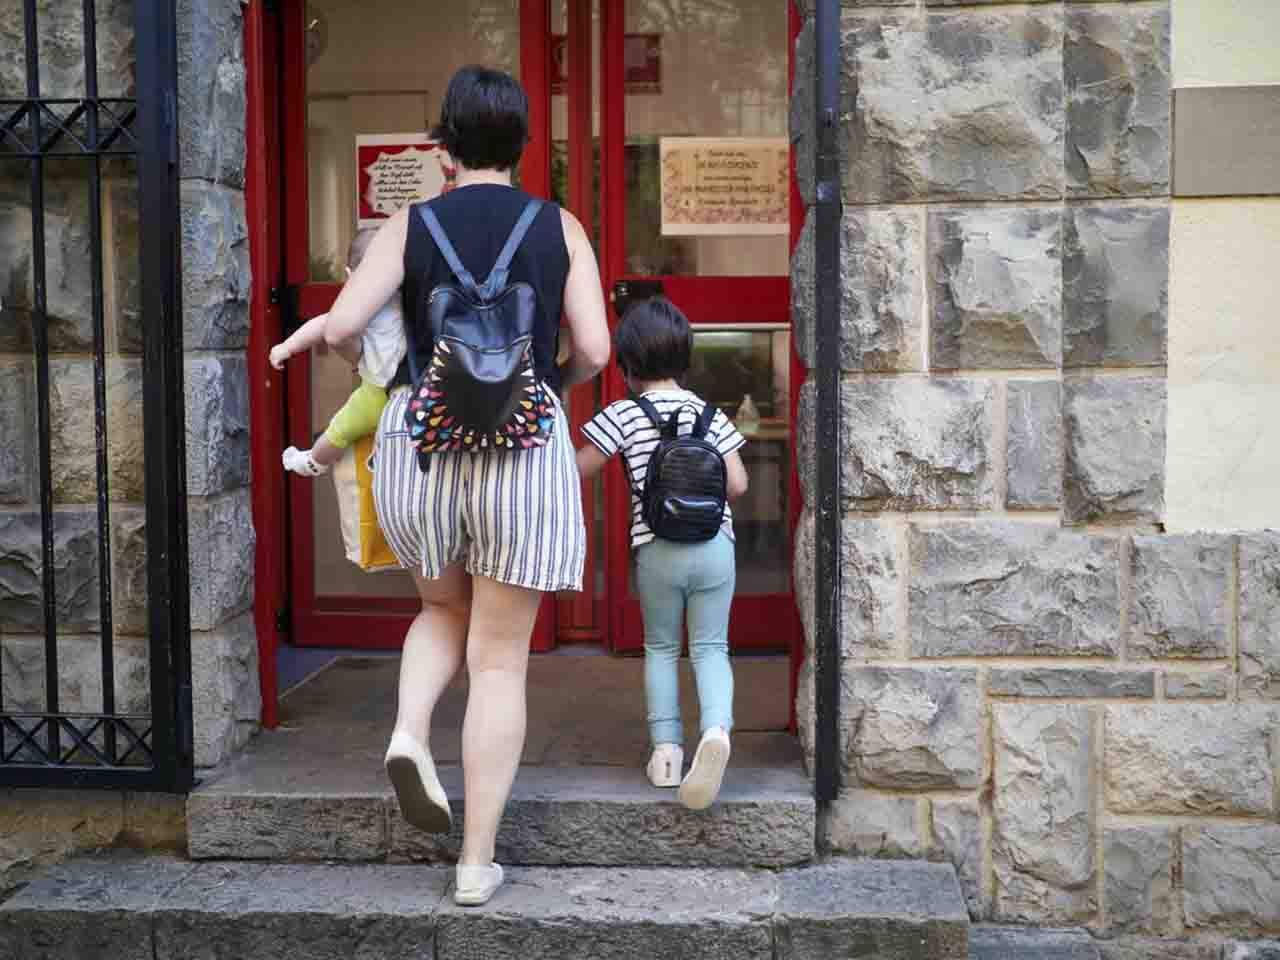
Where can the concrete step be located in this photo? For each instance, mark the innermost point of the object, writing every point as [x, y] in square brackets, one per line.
[563, 816]
[165, 910]
[1024, 943]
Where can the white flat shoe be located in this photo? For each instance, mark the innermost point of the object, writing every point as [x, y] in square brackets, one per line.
[666, 763]
[473, 886]
[701, 787]
[422, 800]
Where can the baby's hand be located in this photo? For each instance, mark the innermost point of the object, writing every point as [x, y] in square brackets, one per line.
[279, 354]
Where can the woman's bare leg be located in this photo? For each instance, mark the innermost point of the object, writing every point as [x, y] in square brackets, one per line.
[502, 618]
[433, 649]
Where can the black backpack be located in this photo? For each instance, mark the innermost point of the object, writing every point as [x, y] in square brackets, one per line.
[479, 391]
[684, 493]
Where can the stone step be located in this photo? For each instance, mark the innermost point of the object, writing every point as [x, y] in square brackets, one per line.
[1022, 943]
[562, 816]
[164, 910]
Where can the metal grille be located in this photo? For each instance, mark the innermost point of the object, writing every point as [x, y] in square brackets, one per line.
[43, 135]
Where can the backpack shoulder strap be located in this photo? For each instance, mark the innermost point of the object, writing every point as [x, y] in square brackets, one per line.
[498, 275]
[702, 425]
[436, 229]
[668, 428]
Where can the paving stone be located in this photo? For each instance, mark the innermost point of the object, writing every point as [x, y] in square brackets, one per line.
[891, 910]
[907, 444]
[1260, 614]
[952, 105]
[1115, 279]
[577, 914]
[1201, 685]
[1034, 462]
[1043, 813]
[1189, 759]
[872, 824]
[221, 542]
[215, 267]
[1138, 881]
[17, 425]
[1149, 948]
[1231, 876]
[1021, 943]
[217, 409]
[279, 826]
[1181, 596]
[881, 291]
[1257, 950]
[1115, 448]
[227, 699]
[1116, 63]
[995, 284]
[75, 564]
[1085, 683]
[1012, 589]
[211, 91]
[958, 833]
[868, 586]
[74, 444]
[911, 728]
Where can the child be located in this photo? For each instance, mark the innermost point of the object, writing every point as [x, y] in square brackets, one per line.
[382, 347]
[654, 344]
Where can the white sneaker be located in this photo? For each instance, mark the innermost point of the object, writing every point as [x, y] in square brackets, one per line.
[473, 886]
[665, 765]
[701, 787]
[413, 775]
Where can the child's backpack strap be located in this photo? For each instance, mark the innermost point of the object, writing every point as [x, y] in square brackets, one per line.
[702, 426]
[667, 429]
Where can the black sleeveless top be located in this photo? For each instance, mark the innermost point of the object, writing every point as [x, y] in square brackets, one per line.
[477, 220]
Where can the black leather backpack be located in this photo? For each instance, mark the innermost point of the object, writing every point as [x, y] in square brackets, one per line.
[685, 486]
[479, 391]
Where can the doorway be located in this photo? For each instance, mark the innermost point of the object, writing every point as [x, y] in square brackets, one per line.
[623, 93]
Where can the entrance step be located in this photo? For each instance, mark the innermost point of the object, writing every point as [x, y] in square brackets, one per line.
[562, 816]
[163, 910]
[1026, 943]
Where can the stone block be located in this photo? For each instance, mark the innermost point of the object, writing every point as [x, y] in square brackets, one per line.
[958, 834]
[1115, 285]
[61, 36]
[155, 821]
[1138, 881]
[215, 267]
[227, 702]
[867, 908]
[75, 566]
[806, 713]
[868, 586]
[72, 414]
[1189, 759]
[221, 542]
[79, 675]
[1033, 468]
[908, 444]
[1231, 876]
[1151, 948]
[1115, 449]
[217, 408]
[211, 91]
[1256, 950]
[1083, 683]
[872, 824]
[1043, 813]
[1181, 596]
[911, 728]
[1012, 589]
[41, 827]
[1116, 63]
[801, 120]
[129, 612]
[880, 291]
[1260, 614]
[995, 288]
[952, 105]
[123, 270]
[1200, 685]
[276, 825]
[18, 473]
[1017, 943]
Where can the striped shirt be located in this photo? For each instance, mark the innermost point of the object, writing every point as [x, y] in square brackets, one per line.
[623, 426]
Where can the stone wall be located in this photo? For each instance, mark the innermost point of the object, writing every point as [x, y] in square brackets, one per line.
[1079, 710]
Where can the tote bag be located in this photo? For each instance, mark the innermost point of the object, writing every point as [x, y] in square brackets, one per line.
[365, 545]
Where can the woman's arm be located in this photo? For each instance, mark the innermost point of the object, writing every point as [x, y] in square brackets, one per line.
[302, 339]
[584, 308]
[379, 275]
[590, 461]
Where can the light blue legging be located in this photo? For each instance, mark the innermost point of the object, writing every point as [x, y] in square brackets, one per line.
[672, 578]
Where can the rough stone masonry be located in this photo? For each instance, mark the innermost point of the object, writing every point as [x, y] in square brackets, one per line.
[1080, 711]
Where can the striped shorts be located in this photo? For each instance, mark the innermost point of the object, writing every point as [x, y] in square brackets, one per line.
[514, 517]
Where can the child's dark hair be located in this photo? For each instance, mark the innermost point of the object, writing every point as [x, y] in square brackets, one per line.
[654, 341]
[484, 119]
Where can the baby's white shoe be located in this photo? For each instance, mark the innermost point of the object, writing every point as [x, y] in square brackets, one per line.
[701, 787]
[665, 765]
[473, 886]
[302, 463]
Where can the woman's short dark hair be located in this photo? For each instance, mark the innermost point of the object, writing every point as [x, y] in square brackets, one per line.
[654, 341]
[484, 119]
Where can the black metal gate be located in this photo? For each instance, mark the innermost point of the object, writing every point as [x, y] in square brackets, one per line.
[115, 146]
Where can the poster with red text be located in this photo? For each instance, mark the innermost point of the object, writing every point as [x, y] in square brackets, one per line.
[396, 169]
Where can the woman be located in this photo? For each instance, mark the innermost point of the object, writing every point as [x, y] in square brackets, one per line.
[460, 525]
